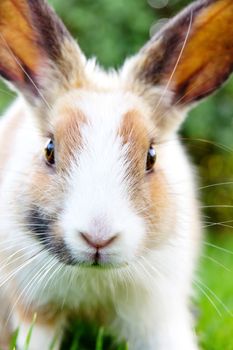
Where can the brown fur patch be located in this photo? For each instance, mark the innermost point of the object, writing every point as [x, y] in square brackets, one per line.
[67, 131]
[18, 39]
[134, 133]
[160, 213]
[37, 44]
[47, 315]
[149, 192]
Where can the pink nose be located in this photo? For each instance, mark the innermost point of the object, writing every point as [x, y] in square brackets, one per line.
[97, 243]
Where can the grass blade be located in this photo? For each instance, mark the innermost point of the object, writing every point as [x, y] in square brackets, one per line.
[29, 335]
[14, 340]
[100, 339]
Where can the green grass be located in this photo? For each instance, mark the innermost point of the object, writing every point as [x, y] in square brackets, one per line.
[215, 328]
[81, 336]
[213, 307]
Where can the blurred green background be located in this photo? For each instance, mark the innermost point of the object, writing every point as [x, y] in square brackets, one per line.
[111, 30]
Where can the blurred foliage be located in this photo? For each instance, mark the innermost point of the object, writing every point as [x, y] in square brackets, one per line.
[113, 30]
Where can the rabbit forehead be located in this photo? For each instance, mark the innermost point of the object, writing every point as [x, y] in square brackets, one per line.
[90, 120]
[108, 136]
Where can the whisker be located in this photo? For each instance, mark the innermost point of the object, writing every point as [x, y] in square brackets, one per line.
[216, 184]
[208, 298]
[153, 268]
[218, 247]
[212, 143]
[216, 262]
[9, 258]
[28, 261]
[215, 296]
[24, 71]
[217, 224]
[24, 289]
[6, 92]
[177, 62]
[216, 206]
[43, 273]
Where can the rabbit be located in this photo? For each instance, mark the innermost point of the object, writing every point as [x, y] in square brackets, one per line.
[99, 213]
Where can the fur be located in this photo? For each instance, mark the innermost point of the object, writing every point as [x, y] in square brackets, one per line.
[146, 226]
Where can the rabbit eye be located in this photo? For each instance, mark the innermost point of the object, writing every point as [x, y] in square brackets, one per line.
[49, 153]
[151, 158]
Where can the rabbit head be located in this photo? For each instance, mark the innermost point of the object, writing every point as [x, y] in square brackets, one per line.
[113, 182]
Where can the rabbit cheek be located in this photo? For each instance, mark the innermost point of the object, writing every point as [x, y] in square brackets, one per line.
[148, 191]
[39, 225]
[45, 229]
[160, 213]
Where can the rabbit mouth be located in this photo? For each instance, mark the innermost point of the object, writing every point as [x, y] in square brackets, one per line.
[101, 260]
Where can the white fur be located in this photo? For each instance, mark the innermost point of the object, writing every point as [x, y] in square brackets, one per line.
[149, 297]
[145, 298]
[98, 201]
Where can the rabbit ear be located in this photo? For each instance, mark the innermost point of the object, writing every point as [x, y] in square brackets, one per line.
[35, 47]
[192, 55]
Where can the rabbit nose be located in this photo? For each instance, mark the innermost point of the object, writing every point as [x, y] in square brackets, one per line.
[97, 243]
